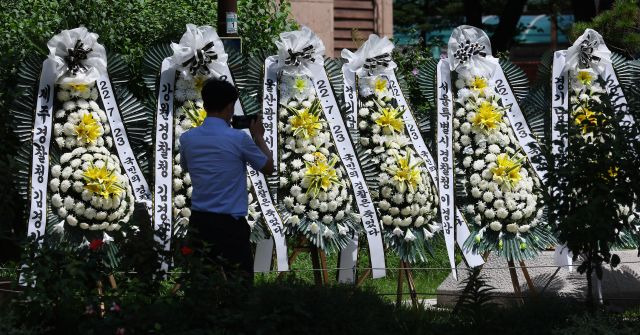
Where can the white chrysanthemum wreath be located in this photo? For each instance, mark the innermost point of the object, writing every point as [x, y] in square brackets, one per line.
[504, 197]
[313, 182]
[405, 197]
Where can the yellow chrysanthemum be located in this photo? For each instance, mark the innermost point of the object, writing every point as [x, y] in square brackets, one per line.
[88, 130]
[321, 174]
[507, 170]
[613, 171]
[379, 85]
[585, 77]
[102, 182]
[198, 82]
[300, 84]
[195, 114]
[391, 120]
[479, 83]
[306, 122]
[487, 117]
[79, 87]
[586, 118]
[406, 174]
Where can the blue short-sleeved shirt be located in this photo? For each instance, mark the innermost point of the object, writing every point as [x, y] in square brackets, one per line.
[216, 156]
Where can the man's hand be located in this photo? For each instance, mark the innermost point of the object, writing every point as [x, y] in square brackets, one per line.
[256, 128]
[257, 132]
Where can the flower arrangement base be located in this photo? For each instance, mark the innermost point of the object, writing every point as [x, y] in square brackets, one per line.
[405, 271]
[318, 261]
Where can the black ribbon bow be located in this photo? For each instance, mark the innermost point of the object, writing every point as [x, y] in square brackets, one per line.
[466, 50]
[296, 58]
[200, 61]
[371, 64]
[76, 56]
[586, 51]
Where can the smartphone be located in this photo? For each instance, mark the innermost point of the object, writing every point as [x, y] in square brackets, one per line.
[242, 121]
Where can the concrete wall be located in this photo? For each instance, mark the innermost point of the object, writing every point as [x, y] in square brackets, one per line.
[317, 15]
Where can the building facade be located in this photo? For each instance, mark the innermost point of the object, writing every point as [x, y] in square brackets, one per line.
[336, 21]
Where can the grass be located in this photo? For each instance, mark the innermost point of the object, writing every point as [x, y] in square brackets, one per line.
[426, 281]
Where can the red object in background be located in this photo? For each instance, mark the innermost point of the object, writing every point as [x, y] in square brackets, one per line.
[95, 244]
[186, 250]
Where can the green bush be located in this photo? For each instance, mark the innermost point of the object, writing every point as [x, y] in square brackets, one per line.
[124, 27]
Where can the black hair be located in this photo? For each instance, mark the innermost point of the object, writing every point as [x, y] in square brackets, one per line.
[218, 94]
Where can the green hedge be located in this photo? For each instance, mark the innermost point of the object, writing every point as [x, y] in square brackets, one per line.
[127, 27]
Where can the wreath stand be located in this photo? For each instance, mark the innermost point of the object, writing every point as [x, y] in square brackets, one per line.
[514, 278]
[404, 273]
[100, 288]
[318, 260]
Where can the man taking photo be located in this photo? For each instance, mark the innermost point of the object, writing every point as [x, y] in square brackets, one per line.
[216, 156]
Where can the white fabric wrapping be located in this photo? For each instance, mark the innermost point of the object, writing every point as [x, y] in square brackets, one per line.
[298, 49]
[467, 50]
[93, 64]
[444, 139]
[588, 51]
[163, 148]
[200, 51]
[372, 58]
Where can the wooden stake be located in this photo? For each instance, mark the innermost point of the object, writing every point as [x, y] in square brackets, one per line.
[525, 272]
[514, 281]
[323, 262]
[412, 286]
[399, 290]
[112, 282]
[100, 295]
[315, 263]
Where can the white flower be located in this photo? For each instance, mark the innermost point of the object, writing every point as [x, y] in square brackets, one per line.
[342, 230]
[313, 215]
[58, 228]
[177, 184]
[517, 215]
[512, 228]
[398, 198]
[502, 213]
[487, 196]
[179, 200]
[478, 165]
[295, 190]
[524, 228]
[185, 212]
[495, 226]
[296, 163]
[72, 221]
[419, 221]
[489, 213]
[288, 201]
[340, 215]
[387, 219]
[398, 232]
[106, 238]
[294, 220]
[409, 237]
[298, 209]
[394, 210]
[314, 228]
[397, 221]
[327, 219]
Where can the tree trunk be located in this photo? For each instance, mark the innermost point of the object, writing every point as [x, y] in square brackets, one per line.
[473, 13]
[502, 39]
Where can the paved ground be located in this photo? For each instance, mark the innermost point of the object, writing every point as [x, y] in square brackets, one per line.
[620, 286]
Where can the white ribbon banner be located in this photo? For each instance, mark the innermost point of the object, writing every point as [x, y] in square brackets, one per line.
[40, 158]
[128, 160]
[519, 124]
[445, 158]
[559, 140]
[347, 154]
[462, 230]
[267, 207]
[350, 92]
[163, 176]
[349, 254]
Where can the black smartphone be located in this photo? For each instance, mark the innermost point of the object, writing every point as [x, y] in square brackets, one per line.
[242, 121]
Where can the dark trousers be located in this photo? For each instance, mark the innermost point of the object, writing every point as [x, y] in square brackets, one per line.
[225, 241]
